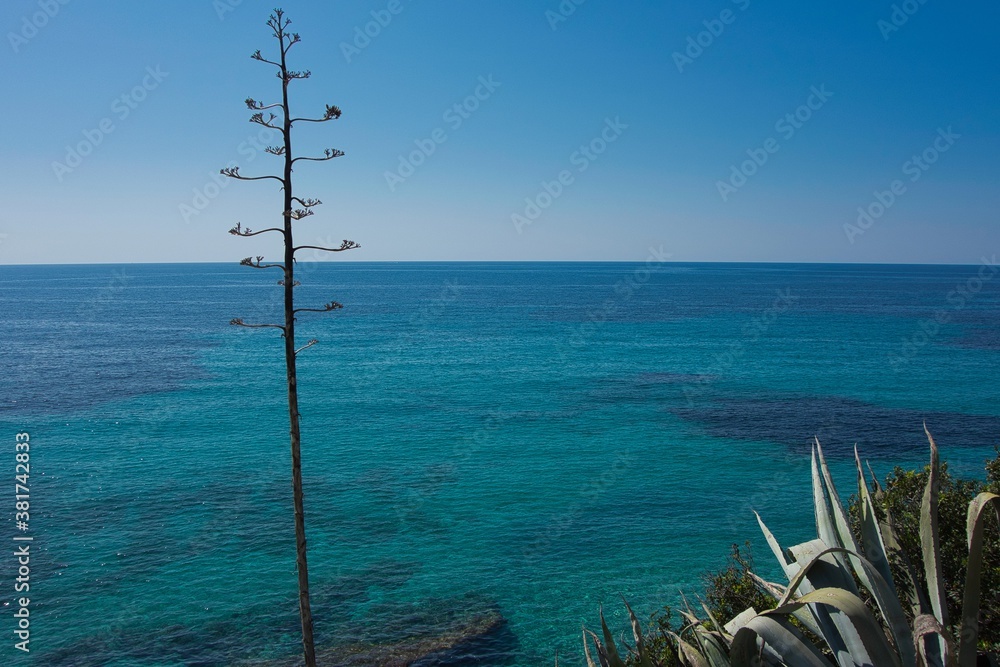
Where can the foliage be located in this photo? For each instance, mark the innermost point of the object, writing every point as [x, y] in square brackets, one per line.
[841, 605]
[660, 643]
[732, 589]
[901, 496]
[728, 591]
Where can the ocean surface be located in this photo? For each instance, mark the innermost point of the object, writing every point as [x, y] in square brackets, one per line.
[519, 440]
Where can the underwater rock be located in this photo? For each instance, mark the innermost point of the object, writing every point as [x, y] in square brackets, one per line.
[419, 650]
[452, 645]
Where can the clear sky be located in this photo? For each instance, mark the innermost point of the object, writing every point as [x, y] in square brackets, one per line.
[727, 130]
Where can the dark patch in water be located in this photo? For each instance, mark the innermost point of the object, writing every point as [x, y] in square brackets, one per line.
[440, 633]
[979, 338]
[645, 387]
[81, 376]
[839, 423]
[498, 647]
[667, 377]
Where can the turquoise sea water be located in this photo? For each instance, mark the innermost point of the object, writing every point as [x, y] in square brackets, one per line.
[526, 439]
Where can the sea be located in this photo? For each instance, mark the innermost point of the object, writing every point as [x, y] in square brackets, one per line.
[525, 443]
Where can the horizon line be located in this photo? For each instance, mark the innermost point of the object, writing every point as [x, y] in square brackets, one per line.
[512, 261]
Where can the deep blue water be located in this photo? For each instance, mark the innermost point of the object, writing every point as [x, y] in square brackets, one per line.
[528, 439]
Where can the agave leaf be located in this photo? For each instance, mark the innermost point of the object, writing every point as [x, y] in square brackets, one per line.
[872, 544]
[833, 530]
[818, 619]
[930, 547]
[916, 594]
[609, 645]
[713, 620]
[884, 596]
[841, 524]
[776, 590]
[925, 627]
[882, 587]
[779, 555]
[875, 644]
[586, 647]
[879, 583]
[973, 576]
[713, 648]
[741, 619]
[693, 621]
[697, 633]
[689, 654]
[806, 616]
[781, 637]
[825, 523]
[801, 579]
[877, 488]
[602, 653]
[930, 538]
[831, 570]
[826, 571]
[687, 608]
[640, 645]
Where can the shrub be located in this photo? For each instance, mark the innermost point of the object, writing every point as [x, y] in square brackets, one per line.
[901, 495]
[848, 590]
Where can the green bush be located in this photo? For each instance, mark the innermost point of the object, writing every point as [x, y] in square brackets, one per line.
[732, 589]
[859, 593]
[728, 591]
[902, 493]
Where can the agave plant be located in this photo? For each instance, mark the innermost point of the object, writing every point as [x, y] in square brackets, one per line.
[829, 579]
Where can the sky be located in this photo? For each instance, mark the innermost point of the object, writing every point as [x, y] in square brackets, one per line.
[520, 130]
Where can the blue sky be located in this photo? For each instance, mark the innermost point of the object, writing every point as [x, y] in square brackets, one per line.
[603, 129]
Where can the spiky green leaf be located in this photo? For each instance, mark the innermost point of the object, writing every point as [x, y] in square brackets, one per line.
[973, 575]
[586, 649]
[930, 548]
[871, 634]
[781, 637]
[640, 645]
[928, 633]
[689, 655]
[609, 645]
